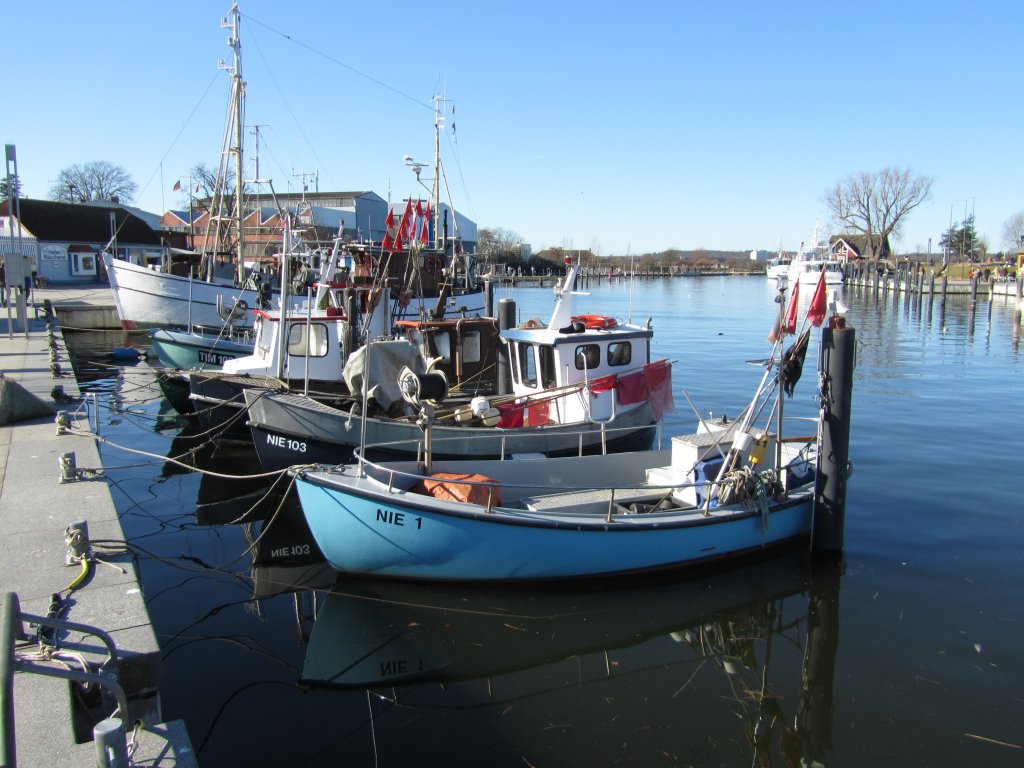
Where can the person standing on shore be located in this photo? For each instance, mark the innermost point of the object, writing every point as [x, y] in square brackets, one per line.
[3, 282]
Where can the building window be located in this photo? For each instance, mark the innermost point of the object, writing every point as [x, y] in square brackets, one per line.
[83, 263]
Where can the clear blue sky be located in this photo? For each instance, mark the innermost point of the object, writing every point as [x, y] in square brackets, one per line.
[612, 126]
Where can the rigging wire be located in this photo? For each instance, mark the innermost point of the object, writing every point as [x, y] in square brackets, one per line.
[340, 63]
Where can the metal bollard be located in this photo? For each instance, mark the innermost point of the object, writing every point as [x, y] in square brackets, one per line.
[111, 743]
[76, 536]
[68, 471]
[63, 423]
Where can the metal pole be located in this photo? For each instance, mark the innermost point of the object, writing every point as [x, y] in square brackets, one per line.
[10, 629]
[506, 319]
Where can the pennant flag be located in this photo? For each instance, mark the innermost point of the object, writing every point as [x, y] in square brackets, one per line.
[426, 224]
[816, 311]
[388, 243]
[177, 186]
[789, 326]
[406, 228]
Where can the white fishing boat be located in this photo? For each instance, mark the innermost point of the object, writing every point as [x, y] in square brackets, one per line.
[811, 260]
[579, 384]
[779, 266]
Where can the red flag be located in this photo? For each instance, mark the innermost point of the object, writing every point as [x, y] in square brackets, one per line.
[388, 243]
[816, 311]
[406, 228]
[789, 325]
[177, 186]
[426, 224]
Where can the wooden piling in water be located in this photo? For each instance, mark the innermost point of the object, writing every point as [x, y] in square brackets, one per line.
[836, 361]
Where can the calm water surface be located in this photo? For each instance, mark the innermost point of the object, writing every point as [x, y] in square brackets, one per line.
[909, 653]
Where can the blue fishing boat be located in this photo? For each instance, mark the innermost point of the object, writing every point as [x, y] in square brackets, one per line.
[715, 494]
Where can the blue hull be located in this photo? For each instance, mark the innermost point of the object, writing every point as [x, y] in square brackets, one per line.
[364, 531]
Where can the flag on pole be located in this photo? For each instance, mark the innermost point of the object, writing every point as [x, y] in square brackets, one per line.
[177, 186]
[789, 325]
[426, 224]
[819, 303]
[786, 324]
[388, 243]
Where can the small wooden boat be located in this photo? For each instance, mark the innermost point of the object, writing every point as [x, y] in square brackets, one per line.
[717, 493]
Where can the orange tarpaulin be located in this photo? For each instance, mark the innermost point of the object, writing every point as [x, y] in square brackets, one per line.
[446, 485]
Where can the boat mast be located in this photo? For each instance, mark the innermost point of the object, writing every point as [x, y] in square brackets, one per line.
[237, 91]
[217, 228]
[435, 187]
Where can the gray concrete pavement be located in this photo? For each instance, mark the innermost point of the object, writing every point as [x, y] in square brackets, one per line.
[35, 510]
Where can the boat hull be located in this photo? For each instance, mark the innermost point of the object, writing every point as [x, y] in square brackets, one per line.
[365, 527]
[177, 349]
[290, 429]
[146, 298]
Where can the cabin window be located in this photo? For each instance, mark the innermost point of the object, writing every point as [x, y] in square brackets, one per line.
[548, 371]
[588, 357]
[443, 345]
[620, 353]
[471, 347]
[317, 339]
[527, 366]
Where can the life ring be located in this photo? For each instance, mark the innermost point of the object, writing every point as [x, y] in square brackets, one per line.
[599, 322]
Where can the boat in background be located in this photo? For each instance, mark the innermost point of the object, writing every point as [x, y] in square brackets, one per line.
[779, 266]
[436, 279]
[202, 348]
[811, 260]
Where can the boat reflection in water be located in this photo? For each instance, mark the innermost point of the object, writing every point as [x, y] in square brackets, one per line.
[646, 649]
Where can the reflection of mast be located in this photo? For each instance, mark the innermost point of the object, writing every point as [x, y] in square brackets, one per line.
[814, 717]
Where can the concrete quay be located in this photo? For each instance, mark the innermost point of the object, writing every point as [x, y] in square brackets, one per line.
[36, 508]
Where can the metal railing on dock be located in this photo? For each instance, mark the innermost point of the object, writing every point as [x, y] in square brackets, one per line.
[110, 736]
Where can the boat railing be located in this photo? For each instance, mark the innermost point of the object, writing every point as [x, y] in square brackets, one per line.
[664, 486]
[540, 438]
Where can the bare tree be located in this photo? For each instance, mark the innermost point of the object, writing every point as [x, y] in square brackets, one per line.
[1013, 231]
[875, 204]
[97, 180]
[499, 243]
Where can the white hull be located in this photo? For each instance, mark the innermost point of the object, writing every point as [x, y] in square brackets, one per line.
[149, 299]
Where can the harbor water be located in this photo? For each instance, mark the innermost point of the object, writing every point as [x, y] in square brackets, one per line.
[908, 652]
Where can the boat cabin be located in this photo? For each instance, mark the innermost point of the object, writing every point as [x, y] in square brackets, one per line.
[465, 350]
[582, 360]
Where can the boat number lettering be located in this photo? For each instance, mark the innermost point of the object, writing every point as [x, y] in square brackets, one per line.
[295, 446]
[394, 667]
[397, 518]
[212, 358]
[292, 551]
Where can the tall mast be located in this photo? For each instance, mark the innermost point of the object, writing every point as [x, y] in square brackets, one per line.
[237, 93]
[435, 192]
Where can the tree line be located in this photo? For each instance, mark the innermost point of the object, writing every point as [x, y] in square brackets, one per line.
[875, 205]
